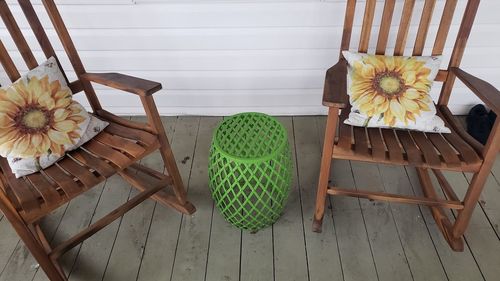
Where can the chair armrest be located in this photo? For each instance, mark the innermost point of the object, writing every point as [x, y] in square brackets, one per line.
[484, 90]
[123, 82]
[335, 91]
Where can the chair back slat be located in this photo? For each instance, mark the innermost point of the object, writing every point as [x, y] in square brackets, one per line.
[37, 28]
[385, 26]
[367, 25]
[404, 27]
[8, 64]
[459, 49]
[444, 27]
[348, 23]
[43, 40]
[425, 17]
[71, 51]
[423, 27]
[17, 35]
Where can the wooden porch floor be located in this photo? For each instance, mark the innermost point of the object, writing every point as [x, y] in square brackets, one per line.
[361, 240]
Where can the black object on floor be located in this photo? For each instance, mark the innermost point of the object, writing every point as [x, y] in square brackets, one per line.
[492, 116]
[480, 122]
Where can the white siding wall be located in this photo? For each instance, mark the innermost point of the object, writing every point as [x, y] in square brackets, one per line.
[220, 57]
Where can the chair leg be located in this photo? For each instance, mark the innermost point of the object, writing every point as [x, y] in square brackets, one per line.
[326, 162]
[166, 151]
[32, 241]
[442, 221]
[44, 242]
[470, 201]
[34, 244]
[490, 152]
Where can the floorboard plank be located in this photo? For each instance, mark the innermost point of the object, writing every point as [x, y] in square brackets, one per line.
[257, 260]
[224, 253]
[398, 242]
[388, 253]
[423, 259]
[495, 170]
[21, 264]
[78, 215]
[123, 262]
[161, 245]
[489, 201]
[191, 259]
[289, 229]
[322, 250]
[458, 266]
[8, 242]
[94, 253]
[480, 235]
[354, 247]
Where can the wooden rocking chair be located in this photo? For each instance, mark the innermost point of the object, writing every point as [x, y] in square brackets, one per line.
[116, 150]
[457, 151]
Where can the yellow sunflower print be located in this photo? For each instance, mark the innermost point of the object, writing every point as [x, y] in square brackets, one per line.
[392, 88]
[38, 117]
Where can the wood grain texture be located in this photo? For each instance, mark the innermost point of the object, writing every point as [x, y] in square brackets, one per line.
[288, 232]
[423, 27]
[123, 82]
[427, 253]
[324, 262]
[367, 25]
[25, 201]
[385, 26]
[456, 151]
[404, 26]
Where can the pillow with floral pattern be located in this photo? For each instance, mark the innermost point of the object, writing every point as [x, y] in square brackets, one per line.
[392, 92]
[39, 120]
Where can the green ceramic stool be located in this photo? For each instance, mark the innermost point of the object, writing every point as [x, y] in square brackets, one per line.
[250, 170]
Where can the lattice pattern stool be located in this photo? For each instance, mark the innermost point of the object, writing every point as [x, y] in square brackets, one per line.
[250, 170]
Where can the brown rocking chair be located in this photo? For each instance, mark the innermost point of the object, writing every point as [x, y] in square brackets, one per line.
[426, 151]
[117, 149]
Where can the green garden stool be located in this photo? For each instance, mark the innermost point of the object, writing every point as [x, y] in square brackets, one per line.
[250, 170]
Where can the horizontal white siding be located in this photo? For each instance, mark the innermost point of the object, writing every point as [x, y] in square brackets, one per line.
[221, 57]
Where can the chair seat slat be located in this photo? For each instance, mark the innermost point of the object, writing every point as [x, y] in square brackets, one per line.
[393, 146]
[412, 152]
[144, 138]
[45, 188]
[345, 132]
[377, 144]
[120, 143]
[66, 182]
[360, 141]
[108, 153]
[428, 151]
[449, 155]
[81, 173]
[24, 193]
[101, 166]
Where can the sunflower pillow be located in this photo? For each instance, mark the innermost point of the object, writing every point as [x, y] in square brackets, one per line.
[392, 92]
[39, 120]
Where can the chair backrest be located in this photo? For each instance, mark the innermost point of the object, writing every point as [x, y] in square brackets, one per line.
[408, 11]
[26, 53]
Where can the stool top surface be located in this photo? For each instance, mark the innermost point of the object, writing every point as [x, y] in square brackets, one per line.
[250, 136]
